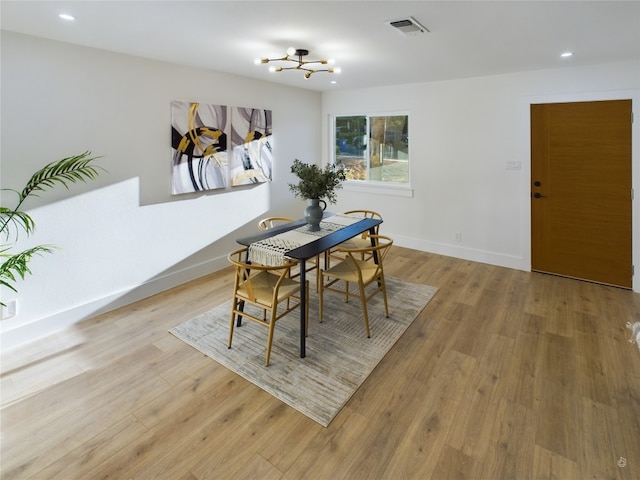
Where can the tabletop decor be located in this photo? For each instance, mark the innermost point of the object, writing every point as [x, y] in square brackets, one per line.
[272, 251]
[314, 185]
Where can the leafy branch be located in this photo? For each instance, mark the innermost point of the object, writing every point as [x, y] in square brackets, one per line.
[316, 182]
[70, 170]
[16, 265]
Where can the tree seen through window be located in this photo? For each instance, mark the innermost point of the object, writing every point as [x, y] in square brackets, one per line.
[373, 148]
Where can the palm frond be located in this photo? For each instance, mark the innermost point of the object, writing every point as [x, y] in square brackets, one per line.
[20, 220]
[75, 169]
[62, 172]
[16, 266]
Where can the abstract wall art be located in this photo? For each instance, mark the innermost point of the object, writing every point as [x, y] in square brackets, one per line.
[252, 140]
[199, 147]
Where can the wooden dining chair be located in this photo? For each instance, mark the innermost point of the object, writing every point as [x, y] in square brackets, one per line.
[267, 289]
[363, 267]
[360, 241]
[271, 222]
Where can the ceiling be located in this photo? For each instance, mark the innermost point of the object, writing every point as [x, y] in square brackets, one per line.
[465, 39]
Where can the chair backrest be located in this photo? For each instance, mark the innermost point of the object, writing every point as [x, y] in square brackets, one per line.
[373, 254]
[246, 272]
[270, 222]
[365, 214]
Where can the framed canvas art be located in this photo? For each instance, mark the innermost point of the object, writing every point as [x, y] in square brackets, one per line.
[199, 147]
[252, 140]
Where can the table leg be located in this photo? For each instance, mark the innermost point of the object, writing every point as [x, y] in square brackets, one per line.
[241, 303]
[372, 231]
[303, 308]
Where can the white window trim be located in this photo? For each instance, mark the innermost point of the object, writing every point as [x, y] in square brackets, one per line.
[371, 186]
[378, 188]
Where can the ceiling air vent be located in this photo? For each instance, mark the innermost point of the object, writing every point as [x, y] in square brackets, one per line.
[409, 27]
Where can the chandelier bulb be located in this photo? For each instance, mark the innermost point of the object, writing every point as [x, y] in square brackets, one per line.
[291, 51]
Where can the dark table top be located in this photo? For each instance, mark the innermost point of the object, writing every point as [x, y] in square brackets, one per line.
[318, 246]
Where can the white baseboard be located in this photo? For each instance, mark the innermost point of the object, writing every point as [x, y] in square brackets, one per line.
[482, 256]
[42, 327]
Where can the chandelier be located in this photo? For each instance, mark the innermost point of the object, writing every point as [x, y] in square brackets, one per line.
[309, 67]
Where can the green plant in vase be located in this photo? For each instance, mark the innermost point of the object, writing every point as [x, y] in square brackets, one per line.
[316, 184]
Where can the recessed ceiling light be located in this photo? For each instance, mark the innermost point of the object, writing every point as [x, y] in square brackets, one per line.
[566, 54]
[66, 16]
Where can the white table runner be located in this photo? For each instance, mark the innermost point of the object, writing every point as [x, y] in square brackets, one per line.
[271, 251]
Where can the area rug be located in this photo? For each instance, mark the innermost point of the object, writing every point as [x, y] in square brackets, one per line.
[339, 356]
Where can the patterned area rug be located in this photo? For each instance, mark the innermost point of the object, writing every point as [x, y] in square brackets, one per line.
[339, 356]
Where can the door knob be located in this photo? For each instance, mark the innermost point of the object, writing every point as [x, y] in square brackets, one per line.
[538, 195]
[537, 183]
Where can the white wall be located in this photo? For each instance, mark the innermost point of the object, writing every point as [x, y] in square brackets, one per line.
[124, 236]
[462, 134]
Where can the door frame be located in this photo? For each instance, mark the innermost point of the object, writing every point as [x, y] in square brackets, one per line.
[527, 101]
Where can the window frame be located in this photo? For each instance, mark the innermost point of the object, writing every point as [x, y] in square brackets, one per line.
[403, 189]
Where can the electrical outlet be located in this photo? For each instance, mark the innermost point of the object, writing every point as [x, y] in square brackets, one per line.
[458, 237]
[513, 165]
[10, 309]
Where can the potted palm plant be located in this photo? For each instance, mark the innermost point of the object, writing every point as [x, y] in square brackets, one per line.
[78, 168]
[314, 185]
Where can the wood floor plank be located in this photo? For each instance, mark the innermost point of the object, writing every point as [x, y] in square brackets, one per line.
[395, 417]
[520, 379]
[550, 466]
[558, 407]
[89, 411]
[188, 437]
[509, 454]
[95, 451]
[455, 465]
[602, 421]
[443, 401]
[471, 430]
[256, 467]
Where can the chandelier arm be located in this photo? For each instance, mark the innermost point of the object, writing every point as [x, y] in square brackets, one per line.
[299, 67]
[283, 59]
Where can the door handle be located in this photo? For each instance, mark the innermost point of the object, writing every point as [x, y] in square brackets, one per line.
[539, 195]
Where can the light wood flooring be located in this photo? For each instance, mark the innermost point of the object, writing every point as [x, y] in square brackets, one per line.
[504, 375]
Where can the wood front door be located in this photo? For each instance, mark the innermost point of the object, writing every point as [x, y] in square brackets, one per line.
[581, 190]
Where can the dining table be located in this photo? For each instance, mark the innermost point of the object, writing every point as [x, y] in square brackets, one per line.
[334, 229]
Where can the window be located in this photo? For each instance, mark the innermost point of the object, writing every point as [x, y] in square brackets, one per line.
[373, 148]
